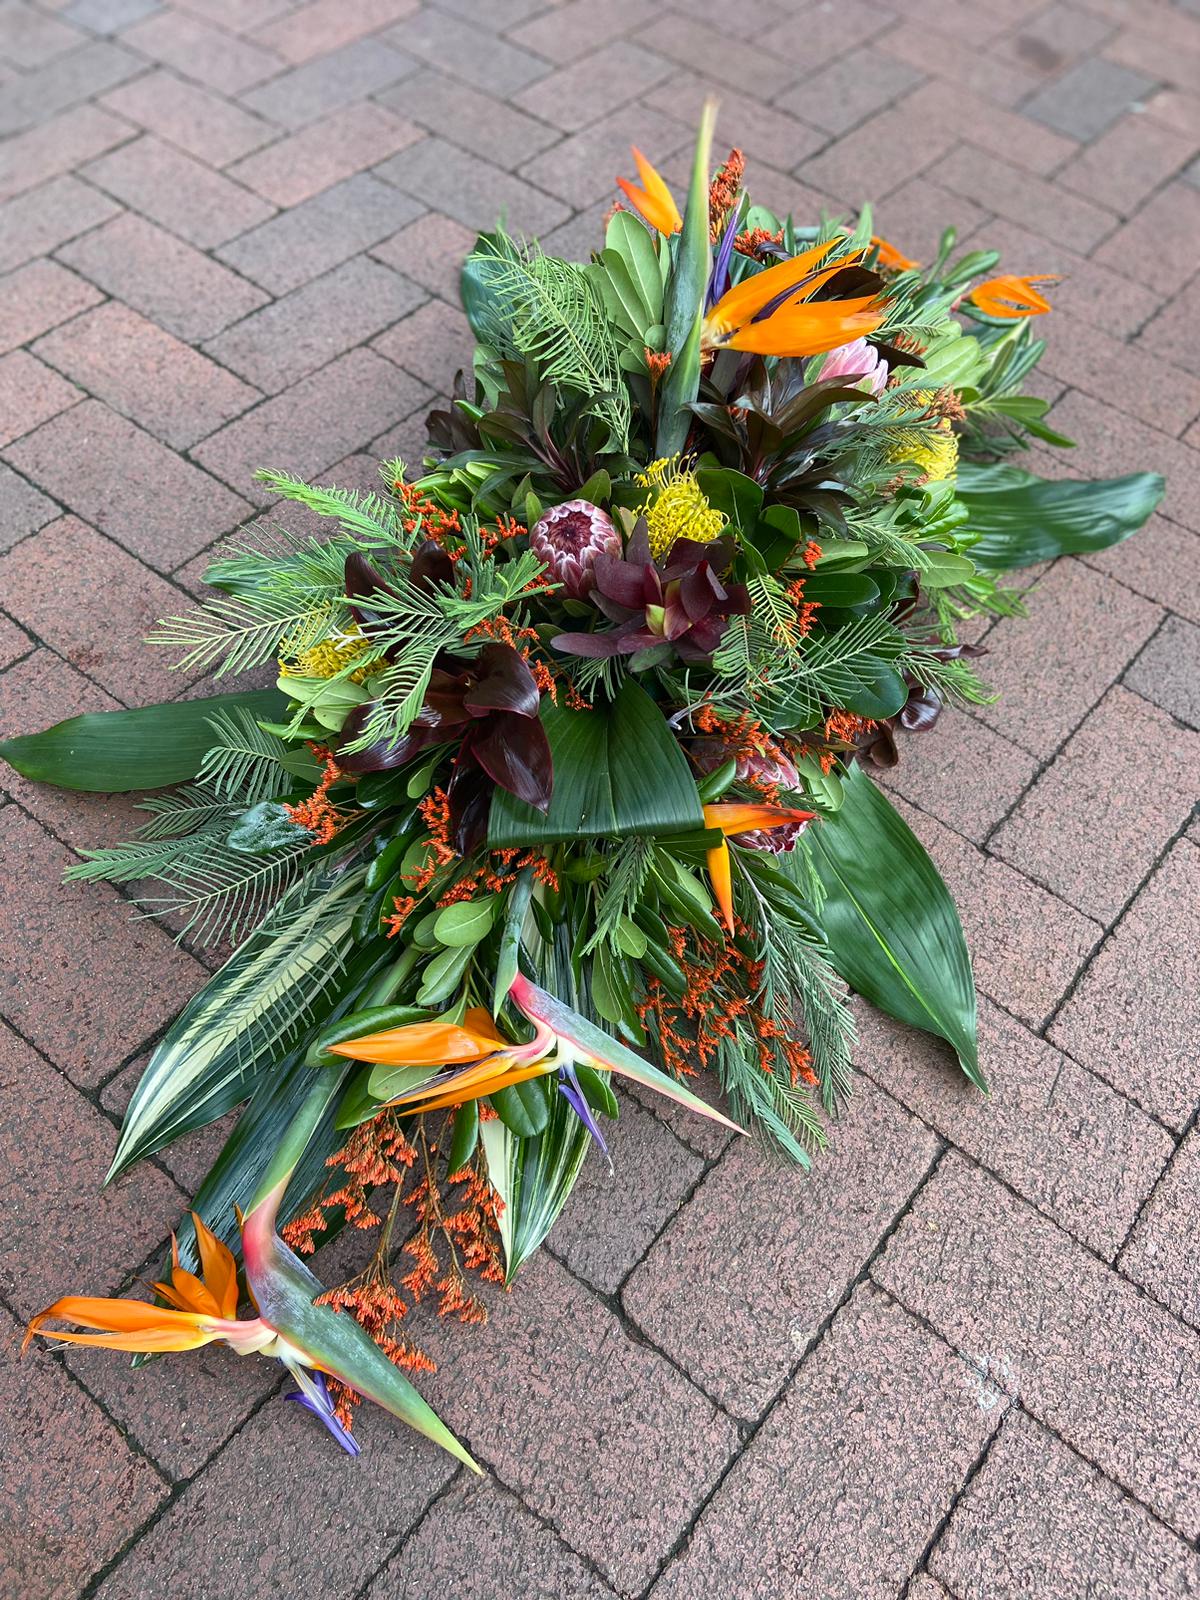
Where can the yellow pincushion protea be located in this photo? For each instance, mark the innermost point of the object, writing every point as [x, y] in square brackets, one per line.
[932, 446]
[676, 507]
[331, 656]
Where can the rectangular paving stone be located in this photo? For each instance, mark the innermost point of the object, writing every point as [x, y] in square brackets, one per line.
[1011, 192]
[753, 68]
[615, 1211]
[334, 1538]
[759, 1292]
[1168, 334]
[323, 153]
[184, 195]
[30, 394]
[80, 1238]
[319, 87]
[129, 485]
[431, 252]
[1163, 1253]
[34, 694]
[1088, 98]
[480, 58]
[30, 38]
[595, 1431]
[188, 294]
[1133, 1018]
[849, 1477]
[845, 92]
[55, 147]
[763, 132]
[51, 1540]
[1050, 667]
[576, 95]
[1159, 563]
[584, 167]
[1056, 1134]
[433, 343]
[1119, 374]
[320, 233]
[1050, 40]
[1043, 1319]
[947, 57]
[94, 604]
[322, 26]
[1027, 946]
[71, 77]
[289, 338]
[1009, 135]
[1039, 1520]
[866, 164]
[471, 190]
[479, 1543]
[492, 128]
[960, 771]
[1168, 268]
[199, 51]
[1127, 163]
[36, 297]
[142, 371]
[1127, 759]
[574, 29]
[23, 509]
[313, 424]
[35, 223]
[88, 1008]
[108, 16]
[207, 126]
[1168, 671]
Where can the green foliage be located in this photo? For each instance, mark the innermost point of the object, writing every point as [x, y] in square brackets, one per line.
[243, 763]
[550, 312]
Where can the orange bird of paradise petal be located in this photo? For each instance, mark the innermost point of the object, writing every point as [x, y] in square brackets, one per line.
[890, 257]
[733, 817]
[427, 1044]
[653, 201]
[199, 1311]
[770, 313]
[1012, 296]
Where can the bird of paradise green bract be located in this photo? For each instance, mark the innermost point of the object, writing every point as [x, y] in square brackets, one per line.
[313, 1341]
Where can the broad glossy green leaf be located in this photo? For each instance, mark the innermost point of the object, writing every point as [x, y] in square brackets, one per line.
[524, 1108]
[1023, 519]
[893, 931]
[114, 752]
[616, 771]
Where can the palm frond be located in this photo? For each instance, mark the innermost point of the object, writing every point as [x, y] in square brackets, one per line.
[243, 762]
[369, 517]
[553, 314]
[232, 633]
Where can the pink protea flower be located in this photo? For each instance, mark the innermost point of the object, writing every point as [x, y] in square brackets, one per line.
[569, 538]
[857, 359]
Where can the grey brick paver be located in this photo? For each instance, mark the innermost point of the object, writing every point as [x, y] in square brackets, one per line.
[230, 236]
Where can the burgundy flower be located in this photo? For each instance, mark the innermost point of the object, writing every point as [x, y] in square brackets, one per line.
[767, 766]
[681, 602]
[567, 540]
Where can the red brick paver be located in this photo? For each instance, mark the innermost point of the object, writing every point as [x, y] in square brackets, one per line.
[959, 1362]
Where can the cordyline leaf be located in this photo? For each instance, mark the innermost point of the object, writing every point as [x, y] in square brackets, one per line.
[114, 752]
[891, 926]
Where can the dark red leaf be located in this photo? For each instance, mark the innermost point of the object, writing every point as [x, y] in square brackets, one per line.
[515, 753]
[504, 683]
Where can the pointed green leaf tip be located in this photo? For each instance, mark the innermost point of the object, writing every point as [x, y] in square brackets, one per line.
[685, 301]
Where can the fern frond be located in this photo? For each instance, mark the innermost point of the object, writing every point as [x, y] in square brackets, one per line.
[233, 633]
[367, 516]
[243, 762]
[554, 315]
[183, 811]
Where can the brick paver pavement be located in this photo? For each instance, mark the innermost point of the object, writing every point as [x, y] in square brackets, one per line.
[961, 1362]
